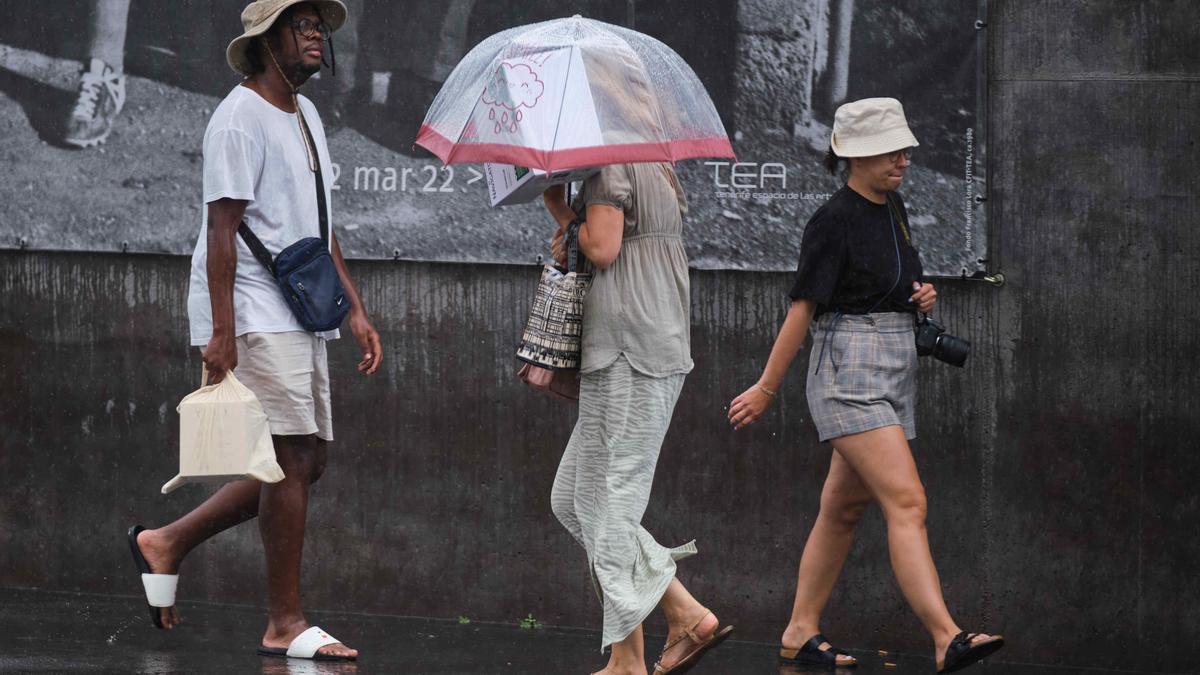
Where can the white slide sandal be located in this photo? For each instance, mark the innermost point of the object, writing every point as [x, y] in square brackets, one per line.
[305, 646]
[159, 588]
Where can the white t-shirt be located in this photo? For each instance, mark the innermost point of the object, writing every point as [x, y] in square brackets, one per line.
[255, 151]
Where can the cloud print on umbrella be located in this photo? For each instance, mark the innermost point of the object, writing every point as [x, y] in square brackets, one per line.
[512, 87]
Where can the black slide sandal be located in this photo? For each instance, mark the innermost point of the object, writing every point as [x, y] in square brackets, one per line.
[811, 654]
[961, 653]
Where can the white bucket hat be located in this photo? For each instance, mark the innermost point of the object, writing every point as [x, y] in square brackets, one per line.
[871, 126]
[260, 15]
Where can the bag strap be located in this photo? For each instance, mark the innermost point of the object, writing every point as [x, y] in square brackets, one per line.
[318, 178]
[572, 236]
[254, 243]
[256, 247]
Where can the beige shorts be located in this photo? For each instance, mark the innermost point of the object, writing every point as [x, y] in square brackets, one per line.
[289, 373]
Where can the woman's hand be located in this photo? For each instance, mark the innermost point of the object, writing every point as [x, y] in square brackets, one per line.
[924, 296]
[555, 198]
[749, 406]
[558, 246]
[555, 194]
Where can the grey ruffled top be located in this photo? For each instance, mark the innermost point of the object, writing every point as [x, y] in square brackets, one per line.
[641, 305]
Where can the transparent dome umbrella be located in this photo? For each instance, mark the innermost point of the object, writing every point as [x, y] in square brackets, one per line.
[572, 93]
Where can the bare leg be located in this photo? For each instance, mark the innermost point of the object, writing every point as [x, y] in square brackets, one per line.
[684, 613]
[628, 656]
[107, 39]
[283, 512]
[882, 458]
[166, 547]
[303, 461]
[235, 503]
[101, 94]
[843, 500]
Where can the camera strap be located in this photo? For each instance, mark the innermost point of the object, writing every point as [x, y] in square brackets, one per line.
[896, 243]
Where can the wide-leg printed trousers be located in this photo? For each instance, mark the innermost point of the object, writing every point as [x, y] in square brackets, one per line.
[603, 486]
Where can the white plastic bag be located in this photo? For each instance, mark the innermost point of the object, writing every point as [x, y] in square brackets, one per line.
[224, 436]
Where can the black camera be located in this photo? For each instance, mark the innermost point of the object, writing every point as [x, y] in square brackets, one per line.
[932, 339]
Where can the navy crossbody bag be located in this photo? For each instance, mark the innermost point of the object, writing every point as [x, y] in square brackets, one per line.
[305, 271]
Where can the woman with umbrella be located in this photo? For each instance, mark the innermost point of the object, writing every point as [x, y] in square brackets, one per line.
[859, 286]
[635, 358]
[636, 354]
[575, 93]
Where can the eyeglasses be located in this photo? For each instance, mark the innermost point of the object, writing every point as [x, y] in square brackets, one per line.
[312, 29]
[894, 157]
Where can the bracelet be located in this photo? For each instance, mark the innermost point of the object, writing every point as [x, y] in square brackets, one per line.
[764, 390]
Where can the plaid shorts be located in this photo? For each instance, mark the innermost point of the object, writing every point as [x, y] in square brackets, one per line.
[862, 373]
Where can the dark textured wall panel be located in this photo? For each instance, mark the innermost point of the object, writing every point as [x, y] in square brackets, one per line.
[1103, 39]
[436, 500]
[1099, 390]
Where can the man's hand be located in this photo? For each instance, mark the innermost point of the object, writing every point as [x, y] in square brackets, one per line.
[368, 342]
[220, 356]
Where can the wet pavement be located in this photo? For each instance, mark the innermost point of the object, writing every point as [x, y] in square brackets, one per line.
[50, 632]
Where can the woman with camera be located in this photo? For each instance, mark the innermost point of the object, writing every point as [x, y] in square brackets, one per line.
[858, 287]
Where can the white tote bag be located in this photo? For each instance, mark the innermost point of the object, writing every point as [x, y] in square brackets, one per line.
[224, 436]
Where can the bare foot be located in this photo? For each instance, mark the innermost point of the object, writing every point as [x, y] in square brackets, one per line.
[612, 669]
[282, 639]
[795, 637]
[157, 556]
[703, 624]
[941, 644]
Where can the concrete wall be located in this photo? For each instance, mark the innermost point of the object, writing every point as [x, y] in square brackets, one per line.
[1060, 464]
[1094, 110]
[436, 501]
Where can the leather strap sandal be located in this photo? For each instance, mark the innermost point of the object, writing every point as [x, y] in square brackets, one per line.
[691, 658]
[811, 654]
[962, 652]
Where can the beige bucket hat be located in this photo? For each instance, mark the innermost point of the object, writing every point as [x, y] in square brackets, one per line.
[260, 15]
[871, 126]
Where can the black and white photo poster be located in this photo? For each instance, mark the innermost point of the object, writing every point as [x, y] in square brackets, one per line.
[103, 106]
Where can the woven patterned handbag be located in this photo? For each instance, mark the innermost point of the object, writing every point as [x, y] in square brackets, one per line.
[553, 334]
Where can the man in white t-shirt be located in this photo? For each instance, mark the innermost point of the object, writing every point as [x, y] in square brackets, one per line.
[258, 168]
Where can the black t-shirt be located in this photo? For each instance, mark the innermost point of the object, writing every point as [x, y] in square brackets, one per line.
[848, 256]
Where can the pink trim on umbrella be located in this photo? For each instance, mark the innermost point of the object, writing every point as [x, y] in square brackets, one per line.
[572, 158]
